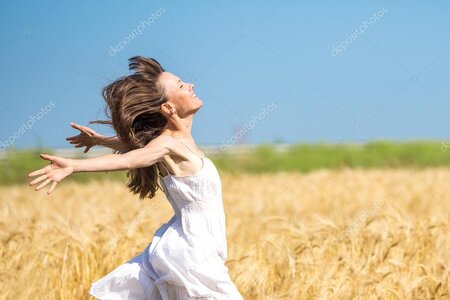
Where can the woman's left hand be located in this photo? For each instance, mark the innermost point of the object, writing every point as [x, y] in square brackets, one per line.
[58, 169]
[87, 138]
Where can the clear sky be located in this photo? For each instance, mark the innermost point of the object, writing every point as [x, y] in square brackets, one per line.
[287, 71]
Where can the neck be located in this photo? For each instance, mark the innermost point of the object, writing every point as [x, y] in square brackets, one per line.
[180, 127]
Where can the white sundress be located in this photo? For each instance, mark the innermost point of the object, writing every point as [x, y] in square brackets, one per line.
[186, 257]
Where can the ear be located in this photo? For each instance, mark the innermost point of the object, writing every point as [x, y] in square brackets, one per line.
[167, 108]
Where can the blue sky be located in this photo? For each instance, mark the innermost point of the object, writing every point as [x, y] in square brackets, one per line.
[331, 71]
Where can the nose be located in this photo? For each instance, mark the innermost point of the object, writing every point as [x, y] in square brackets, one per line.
[192, 86]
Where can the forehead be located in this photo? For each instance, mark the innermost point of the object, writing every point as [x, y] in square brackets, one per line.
[168, 79]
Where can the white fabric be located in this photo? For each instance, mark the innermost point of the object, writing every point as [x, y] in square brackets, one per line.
[186, 257]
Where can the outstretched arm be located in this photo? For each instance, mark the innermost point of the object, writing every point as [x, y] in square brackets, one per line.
[112, 142]
[134, 159]
[60, 167]
[89, 138]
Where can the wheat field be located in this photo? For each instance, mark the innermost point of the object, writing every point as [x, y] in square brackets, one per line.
[347, 234]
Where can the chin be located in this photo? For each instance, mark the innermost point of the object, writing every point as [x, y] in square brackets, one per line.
[197, 107]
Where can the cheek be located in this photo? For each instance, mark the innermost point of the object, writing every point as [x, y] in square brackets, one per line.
[181, 99]
[185, 97]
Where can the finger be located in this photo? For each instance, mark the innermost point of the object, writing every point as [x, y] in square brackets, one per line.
[52, 187]
[72, 137]
[40, 178]
[47, 157]
[78, 146]
[43, 184]
[37, 172]
[87, 149]
[54, 160]
[84, 129]
[75, 125]
[88, 130]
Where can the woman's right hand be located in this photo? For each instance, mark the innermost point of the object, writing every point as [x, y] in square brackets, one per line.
[58, 169]
[87, 138]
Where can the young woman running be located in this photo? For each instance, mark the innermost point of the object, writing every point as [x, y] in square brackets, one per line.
[152, 112]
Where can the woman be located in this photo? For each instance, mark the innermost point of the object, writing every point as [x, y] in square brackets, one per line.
[152, 112]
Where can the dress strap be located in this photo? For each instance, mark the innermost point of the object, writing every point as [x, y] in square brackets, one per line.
[161, 178]
[161, 163]
[189, 148]
[168, 173]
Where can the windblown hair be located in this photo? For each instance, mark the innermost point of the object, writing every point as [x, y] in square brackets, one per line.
[133, 107]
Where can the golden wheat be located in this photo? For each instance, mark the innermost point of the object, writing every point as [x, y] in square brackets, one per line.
[349, 234]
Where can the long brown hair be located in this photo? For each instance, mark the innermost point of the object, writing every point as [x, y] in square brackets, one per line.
[133, 107]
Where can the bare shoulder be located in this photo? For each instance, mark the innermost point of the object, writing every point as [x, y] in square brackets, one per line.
[166, 143]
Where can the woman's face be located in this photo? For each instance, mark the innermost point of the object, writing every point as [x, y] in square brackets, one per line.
[180, 94]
